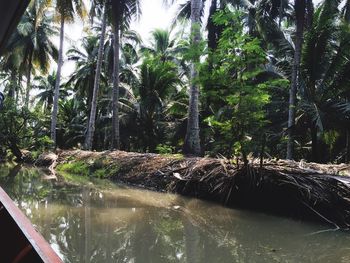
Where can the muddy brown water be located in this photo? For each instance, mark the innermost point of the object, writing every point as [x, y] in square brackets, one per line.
[97, 221]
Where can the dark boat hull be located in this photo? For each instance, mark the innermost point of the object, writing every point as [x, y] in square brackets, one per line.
[19, 241]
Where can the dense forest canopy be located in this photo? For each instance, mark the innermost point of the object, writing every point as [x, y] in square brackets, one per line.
[257, 78]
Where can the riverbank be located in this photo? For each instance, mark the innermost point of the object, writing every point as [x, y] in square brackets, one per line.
[299, 190]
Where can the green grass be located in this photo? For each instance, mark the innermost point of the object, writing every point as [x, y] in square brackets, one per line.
[75, 168]
[100, 168]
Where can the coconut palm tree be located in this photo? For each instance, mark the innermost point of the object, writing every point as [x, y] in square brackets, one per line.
[33, 41]
[10, 67]
[65, 12]
[123, 12]
[257, 13]
[192, 140]
[71, 129]
[92, 118]
[82, 78]
[46, 86]
[162, 44]
[158, 82]
[300, 9]
[325, 73]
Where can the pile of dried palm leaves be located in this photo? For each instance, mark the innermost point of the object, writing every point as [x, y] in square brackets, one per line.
[297, 189]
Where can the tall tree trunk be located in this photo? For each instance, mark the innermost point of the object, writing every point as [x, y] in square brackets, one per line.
[192, 140]
[115, 99]
[29, 72]
[57, 85]
[299, 6]
[91, 125]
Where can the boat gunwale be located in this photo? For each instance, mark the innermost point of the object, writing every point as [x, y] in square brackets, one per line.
[39, 244]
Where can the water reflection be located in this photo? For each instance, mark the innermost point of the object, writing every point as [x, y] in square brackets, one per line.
[106, 223]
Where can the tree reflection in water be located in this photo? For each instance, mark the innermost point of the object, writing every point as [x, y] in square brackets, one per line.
[107, 223]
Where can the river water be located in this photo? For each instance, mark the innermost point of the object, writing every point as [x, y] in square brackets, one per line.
[97, 221]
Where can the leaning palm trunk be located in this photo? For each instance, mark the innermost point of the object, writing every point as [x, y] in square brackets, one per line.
[57, 85]
[115, 98]
[192, 140]
[300, 18]
[91, 124]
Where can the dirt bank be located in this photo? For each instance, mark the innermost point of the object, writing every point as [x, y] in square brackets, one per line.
[300, 190]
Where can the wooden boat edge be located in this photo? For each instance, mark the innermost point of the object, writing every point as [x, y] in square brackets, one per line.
[39, 244]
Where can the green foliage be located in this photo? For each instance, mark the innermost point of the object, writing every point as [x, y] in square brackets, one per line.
[76, 168]
[100, 168]
[21, 129]
[165, 149]
[245, 64]
[239, 60]
[158, 83]
[194, 52]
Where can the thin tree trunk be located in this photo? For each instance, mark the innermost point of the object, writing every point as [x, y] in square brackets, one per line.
[300, 18]
[115, 99]
[29, 72]
[57, 85]
[91, 125]
[192, 140]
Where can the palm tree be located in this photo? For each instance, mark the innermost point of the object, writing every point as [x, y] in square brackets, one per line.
[32, 40]
[258, 12]
[82, 79]
[300, 8]
[123, 12]
[92, 119]
[162, 44]
[192, 140]
[66, 10]
[72, 123]
[142, 91]
[346, 17]
[10, 67]
[325, 73]
[158, 81]
[46, 85]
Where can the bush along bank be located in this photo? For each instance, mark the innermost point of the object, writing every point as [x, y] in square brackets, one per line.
[299, 190]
